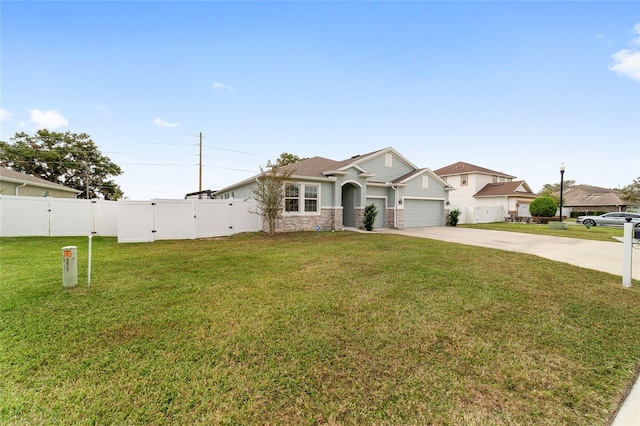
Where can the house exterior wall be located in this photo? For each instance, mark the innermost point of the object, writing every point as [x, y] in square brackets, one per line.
[384, 172]
[329, 219]
[414, 188]
[9, 188]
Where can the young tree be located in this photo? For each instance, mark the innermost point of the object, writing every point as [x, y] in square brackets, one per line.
[270, 192]
[69, 159]
[631, 192]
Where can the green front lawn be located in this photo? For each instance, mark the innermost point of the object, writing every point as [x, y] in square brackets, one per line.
[310, 328]
[599, 233]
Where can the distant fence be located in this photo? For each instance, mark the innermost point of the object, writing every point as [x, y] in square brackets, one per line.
[56, 217]
[130, 221]
[146, 221]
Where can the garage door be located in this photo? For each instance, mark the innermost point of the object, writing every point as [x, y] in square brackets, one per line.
[423, 213]
[380, 204]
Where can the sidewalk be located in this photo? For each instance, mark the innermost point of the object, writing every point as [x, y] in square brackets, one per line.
[598, 255]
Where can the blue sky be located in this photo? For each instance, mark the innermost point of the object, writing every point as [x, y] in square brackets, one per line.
[518, 87]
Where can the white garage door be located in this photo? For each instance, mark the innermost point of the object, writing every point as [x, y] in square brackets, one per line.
[423, 213]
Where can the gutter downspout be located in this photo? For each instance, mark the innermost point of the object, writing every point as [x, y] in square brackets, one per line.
[395, 207]
[20, 186]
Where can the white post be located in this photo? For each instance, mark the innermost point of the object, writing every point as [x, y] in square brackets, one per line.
[627, 254]
[70, 266]
[89, 265]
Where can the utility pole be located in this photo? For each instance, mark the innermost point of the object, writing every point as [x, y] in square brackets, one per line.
[200, 185]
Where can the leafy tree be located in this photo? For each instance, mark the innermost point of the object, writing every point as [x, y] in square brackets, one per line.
[549, 189]
[69, 159]
[270, 192]
[543, 207]
[631, 192]
[285, 159]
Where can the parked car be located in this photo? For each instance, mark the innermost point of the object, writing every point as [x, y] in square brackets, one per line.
[609, 219]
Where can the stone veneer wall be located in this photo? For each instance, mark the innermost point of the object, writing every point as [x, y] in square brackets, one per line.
[329, 220]
[358, 217]
[389, 218]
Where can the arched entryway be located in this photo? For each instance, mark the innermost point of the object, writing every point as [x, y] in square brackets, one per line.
[350, 200]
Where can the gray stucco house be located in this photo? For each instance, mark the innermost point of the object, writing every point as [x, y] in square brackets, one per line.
[330, 195]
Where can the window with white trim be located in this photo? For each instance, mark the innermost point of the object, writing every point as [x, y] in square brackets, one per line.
[292, 198]
[464, 180]
[302, 198]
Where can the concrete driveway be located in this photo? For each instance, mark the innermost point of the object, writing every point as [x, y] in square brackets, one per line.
[599, 255]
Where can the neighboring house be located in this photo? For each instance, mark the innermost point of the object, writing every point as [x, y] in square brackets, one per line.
[484, 195]
[16, 183]
[330, 195]
[591, 199]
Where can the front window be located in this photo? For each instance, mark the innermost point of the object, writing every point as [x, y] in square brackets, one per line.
[310, 198]
[302, 198]
[292, 198]
[464, 180]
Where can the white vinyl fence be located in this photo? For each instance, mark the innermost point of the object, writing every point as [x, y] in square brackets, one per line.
[130, 221]
[146, 221]
[488, 214]
[56, 217]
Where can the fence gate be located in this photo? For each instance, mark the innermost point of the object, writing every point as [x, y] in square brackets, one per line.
[146, 221]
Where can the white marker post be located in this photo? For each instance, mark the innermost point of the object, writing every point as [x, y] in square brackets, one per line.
[627, 254]
[89, 264]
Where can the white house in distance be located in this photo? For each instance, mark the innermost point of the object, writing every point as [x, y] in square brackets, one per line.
[483, 195]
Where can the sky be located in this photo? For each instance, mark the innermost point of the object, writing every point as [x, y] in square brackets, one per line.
[516, 87]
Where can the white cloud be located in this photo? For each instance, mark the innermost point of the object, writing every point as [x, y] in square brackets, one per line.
[48, 119]
[5, 115]
[627, 62]
[161, 123]
[216, 85]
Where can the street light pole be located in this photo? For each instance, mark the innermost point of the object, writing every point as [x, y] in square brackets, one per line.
[561, 188]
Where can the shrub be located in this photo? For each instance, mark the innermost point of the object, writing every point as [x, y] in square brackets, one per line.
[370, 213]
[543, 207]
[453, 217]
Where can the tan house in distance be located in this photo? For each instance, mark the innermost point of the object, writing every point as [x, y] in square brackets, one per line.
[484, 195]
[587, 199]
[16, 183]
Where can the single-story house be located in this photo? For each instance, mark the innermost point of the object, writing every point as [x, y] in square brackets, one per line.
[16, 183]
[485, 195]
[587, 199]
[330, 195]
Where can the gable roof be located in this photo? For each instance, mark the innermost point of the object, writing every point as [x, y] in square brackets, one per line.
[461, 168]
[326, 169]
[514, 188]
[317, 167]
[586, 195]
[8, 175]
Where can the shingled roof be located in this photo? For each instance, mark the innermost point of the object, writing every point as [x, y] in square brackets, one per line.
[9, 175]
[585, 195]
[463, 168]
[513, 188]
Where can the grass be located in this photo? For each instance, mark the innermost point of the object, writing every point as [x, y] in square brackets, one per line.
[310, 328]
[598, 233]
